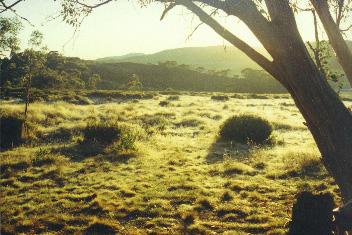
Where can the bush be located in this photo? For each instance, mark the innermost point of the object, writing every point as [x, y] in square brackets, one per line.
[164, 103]
[173, 97]
[220, 97]
[12, 131]
[127, 142]
[100, 132]
[246, 128]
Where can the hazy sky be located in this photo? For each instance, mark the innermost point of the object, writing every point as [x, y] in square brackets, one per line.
[122, 27]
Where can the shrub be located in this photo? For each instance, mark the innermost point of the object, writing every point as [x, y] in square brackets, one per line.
[100, 132]
[154, 121]
[173, 97]
[302, 163]
[246, 128]
[164, 103]
[191, 122]
[220, 97]
[127, 142]
[12, 130]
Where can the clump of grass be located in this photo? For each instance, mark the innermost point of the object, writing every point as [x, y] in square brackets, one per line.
[255, 96]
[304, 163]
[102, 227]
[156, 120]
[102, 133]
[220, 97]
[173, 97]
[226, 196]
[203, 204]
[127, 141]
[246, 128]
[188, 219]
[232, 167]
[191, 122]
[217, 117]
[108, 137]
[297, 164]
[164, 103]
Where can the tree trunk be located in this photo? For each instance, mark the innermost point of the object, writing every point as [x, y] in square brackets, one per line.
[27, 95]
[328, 119]
[337, 42]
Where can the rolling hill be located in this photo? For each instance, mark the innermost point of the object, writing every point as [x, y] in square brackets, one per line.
[211, 58]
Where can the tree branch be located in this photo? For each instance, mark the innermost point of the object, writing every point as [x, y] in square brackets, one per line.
[93, 6]
[234, 40]
[9, 7]
[349, 27]
[339, 14]
[167, 9]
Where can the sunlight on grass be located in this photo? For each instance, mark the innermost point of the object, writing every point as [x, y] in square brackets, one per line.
[182, 180]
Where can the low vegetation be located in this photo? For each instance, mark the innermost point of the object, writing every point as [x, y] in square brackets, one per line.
[123, 167]
[246, 128]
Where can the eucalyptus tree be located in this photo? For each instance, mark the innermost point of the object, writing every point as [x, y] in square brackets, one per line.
[33, 62]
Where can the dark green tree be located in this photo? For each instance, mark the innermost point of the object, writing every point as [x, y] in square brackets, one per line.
[92, 81]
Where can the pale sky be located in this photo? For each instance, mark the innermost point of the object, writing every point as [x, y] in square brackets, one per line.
[122, 27]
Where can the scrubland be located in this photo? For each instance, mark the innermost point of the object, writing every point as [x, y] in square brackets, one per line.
[179, 177]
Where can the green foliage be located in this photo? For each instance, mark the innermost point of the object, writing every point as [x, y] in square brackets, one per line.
[92, 81]
[103, 133]
[127, 141]
[9, 29]
[322, 56]
[42, 154]
[168, 63]
[36, 39]
[132, 85]
[98, 135]
[246, 128]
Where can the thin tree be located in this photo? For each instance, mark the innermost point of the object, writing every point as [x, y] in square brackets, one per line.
[34, 60]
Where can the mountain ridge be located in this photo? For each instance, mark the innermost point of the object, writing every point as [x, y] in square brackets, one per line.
[210, 58]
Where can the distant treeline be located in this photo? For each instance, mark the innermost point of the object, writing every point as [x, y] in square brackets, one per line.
[181, 77]
[59, 72]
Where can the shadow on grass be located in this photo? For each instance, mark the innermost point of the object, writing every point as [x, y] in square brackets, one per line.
[220, 148]
[81, 151]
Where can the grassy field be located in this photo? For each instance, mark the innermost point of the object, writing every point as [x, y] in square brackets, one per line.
[179, 179]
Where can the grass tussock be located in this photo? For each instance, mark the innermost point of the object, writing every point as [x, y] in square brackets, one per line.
[84, 175]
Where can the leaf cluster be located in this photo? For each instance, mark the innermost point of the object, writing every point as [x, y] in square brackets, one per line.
[9, 30]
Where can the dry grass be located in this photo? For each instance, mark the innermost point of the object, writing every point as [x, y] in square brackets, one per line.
[182, 180]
